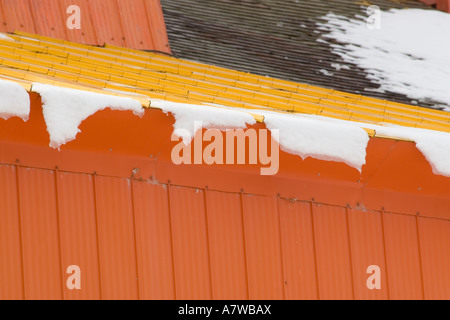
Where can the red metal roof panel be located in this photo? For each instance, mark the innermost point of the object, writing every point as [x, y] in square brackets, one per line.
[136, 24]
[17, 16]
[87, 34]
[48, 18]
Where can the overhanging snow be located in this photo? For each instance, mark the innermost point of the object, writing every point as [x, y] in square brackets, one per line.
[211, 118]
[64, 109]
[14, 101]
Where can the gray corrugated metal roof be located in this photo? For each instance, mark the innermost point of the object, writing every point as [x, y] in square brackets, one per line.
[277, 38]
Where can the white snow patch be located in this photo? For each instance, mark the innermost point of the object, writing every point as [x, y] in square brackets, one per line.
[303, 136]
[64, 109]
[338, 66]
[410, 54]
[326, 72]
[210, 118]
[434, 145]
[5, 37]
[313, 137]
[14, 101]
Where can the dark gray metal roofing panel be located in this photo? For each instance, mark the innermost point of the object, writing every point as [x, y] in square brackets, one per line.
[276, 38]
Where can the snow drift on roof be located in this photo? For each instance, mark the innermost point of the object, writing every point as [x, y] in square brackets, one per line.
[308, 137]
[64, 109]
[434, 145]
[409, 54]
[297, 135]
[14, 101]
[187, 114]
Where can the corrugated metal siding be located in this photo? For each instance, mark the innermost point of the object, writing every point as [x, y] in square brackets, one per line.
[263, 247]
[299, 260]
[87, 34]
[402, 256]
[226, 245]
[434, 236]
[108, 30]
[11, 267]
[190, 243]
[17, 16]
[142, 239]
[78, 232]
[116, 238]
[153, 241]
[367, 248]
[47, 18]
[40, 234]
[332, 252]
[136, 24]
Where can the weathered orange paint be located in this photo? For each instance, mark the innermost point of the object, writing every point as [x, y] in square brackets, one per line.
[141, 227]
[136, 24]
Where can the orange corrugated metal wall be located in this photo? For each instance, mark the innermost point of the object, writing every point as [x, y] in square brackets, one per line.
[136, 239]
[137, 24]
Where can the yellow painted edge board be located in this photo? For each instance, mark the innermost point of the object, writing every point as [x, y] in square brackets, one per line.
[371, 132]
[392, 138]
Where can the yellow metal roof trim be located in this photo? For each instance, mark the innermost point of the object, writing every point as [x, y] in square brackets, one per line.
[146, 102]
[28, 85]
[33, 58]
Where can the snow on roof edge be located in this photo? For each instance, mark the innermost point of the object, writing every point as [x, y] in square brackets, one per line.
[15, 101]
[64, 109]
[305, 135]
